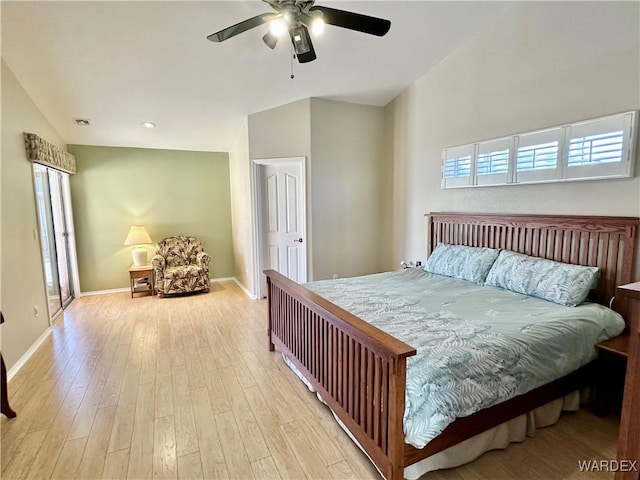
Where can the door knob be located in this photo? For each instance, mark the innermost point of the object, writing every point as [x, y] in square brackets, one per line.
[298, 240]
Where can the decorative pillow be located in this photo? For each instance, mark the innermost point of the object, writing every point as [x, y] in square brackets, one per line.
[457, 261]
[553, 281]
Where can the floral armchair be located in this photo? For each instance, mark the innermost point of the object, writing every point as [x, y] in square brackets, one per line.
[180, 265]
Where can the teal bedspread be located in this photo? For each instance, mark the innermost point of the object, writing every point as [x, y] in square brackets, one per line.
[476, 346]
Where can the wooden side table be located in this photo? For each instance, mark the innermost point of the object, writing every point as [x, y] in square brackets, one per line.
[629, 439]
[612, 365]
[137, 273]
[617, 346]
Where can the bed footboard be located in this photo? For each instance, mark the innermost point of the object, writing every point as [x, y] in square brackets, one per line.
[358, 370]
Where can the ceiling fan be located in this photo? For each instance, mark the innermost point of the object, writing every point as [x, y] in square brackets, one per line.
[297, 17]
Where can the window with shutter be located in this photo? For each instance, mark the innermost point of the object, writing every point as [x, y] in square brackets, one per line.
[593, 149]
[538, 156]
[492, 164]
[457, 166]
[601, 147]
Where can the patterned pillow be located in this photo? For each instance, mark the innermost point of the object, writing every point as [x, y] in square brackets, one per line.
[457, 261]
[553, 281]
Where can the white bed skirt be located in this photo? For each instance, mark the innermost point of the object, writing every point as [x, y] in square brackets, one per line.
[499, 437]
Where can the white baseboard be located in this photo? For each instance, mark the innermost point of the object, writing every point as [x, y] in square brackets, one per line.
[222, 279]
[213, 280]
[104, 292]
[234, 279]
[27, 355]
[245, 290]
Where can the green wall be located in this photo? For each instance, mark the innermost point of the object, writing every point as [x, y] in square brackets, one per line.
[170, 192]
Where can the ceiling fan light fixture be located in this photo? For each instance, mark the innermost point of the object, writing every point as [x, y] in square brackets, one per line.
[317, 26]
[299, 39]
[289, 17]
[277, 27]
[300, 19]
[270, 40]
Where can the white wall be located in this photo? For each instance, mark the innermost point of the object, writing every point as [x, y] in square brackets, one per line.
[281, 131]
[350, 185]
[542, 64]
[23, 285]
[285, 132]
[348, 180]
[241, 226]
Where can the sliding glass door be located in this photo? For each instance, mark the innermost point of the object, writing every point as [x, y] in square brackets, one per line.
[56, 189]
[54, 235]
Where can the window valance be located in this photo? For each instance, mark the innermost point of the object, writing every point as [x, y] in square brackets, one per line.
[41, 151]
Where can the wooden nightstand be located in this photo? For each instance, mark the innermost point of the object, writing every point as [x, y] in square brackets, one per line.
[629, 439]
[617, 346]
[612, 365]
[138, 273]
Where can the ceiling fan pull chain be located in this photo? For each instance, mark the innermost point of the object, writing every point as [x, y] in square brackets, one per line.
[293, 56]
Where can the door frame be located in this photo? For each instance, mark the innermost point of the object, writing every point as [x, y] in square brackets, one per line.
[72, 257]
[257, 216]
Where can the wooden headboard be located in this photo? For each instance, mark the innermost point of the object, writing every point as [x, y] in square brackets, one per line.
[605, 242]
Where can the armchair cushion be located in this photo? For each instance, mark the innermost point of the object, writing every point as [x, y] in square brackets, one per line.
[181, 266]
[183, 271]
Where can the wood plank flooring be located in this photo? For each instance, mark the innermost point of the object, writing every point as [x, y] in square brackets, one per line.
[184, 387]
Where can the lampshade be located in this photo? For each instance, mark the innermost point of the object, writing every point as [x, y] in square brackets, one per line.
[137, 236]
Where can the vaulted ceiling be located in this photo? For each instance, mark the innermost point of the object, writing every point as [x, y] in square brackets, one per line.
[121, 63]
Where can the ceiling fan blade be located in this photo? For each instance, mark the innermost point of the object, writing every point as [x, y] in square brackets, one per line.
[302, 44]
[354, 21]
[238, 28]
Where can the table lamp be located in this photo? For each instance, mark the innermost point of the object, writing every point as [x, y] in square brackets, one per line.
[138, 236]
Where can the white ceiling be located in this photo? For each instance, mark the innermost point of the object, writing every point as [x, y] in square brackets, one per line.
[119, 63]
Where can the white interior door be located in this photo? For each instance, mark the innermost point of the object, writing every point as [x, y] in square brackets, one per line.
[284, 219]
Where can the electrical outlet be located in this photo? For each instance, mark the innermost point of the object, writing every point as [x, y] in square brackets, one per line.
[335, 275]
[36, 311]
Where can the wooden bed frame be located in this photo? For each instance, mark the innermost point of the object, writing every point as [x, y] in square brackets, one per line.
[360, 371]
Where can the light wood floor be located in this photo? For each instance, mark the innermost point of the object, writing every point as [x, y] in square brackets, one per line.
[185, 388]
